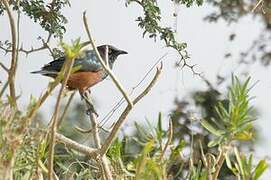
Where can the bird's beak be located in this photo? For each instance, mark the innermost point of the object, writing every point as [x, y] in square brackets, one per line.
[123, 52]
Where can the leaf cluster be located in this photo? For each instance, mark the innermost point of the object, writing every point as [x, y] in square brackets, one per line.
[234, 119]
[48, 15]
[244, 167]
[151, 25]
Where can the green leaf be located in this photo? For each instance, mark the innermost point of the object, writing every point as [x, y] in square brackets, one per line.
[244, 136]
[228, 161]
[177, 150]
[211, 128]
[215, 142]
[159, 130]
[259, 170]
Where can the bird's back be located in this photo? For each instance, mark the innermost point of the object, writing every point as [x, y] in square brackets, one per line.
[85, 62]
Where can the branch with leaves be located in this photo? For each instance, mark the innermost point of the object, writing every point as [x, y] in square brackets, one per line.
[71, 54]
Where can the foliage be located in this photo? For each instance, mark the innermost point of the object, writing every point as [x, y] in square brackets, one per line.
[234, 122]
[150, 23]
[48, 15]
[151, 157]
[179, 152]
[244, 166]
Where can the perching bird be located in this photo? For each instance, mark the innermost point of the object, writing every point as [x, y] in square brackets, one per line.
[90, 69]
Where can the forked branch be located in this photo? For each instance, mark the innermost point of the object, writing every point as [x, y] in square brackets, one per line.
[109, 140]
[12, 70]
[106, 68]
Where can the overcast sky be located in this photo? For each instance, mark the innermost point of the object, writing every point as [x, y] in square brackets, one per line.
[112, 23]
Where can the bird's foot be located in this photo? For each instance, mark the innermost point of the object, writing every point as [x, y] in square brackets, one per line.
[86, 96]
[91, 110]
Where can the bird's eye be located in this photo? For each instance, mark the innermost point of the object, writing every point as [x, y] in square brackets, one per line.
[110, 51]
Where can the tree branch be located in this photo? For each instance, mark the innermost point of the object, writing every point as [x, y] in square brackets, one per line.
[3, 89]
[106, 68]
[169, 139]
[67, 69]
[32, 50]
[65, 109]
[4, 67]
[109, 140]
[101, 158]
[61, 139]
[12, 71]
[219, 161]
[92, 152]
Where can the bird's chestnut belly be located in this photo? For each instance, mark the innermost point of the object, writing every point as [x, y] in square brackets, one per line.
[83, 80]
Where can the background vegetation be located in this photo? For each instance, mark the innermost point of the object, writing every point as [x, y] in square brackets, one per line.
[216, 144]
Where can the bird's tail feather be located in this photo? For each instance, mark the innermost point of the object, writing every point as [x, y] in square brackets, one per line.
[44, 72]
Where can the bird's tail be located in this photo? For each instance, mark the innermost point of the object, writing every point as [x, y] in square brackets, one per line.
[36, 72]
[44, 72]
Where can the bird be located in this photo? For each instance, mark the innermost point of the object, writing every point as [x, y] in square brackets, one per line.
[90, 70]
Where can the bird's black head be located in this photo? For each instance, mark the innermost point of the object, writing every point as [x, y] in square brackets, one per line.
[113, 52]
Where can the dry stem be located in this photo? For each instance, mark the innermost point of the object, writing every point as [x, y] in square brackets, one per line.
[65, 109]
[12, 70]
[67, 68]
[169, 139]
[106, 68]
[109, 140]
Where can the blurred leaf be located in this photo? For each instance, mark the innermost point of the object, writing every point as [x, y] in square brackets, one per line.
[259, 170]
[215, 142]
[211, 128]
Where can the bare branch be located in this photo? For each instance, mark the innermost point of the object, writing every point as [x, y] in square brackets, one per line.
[257, 5]
[67, 69]
[12, 71]
[4, 67]
[106, 68]
[169, 139]
[76, 146]
[109, 140]
[101, 159]
[220, 160]
[121, 101]
[45, 45]
[61, 139]
[3, 89]
[65, 110]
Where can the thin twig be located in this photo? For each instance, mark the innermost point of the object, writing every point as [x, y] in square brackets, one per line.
[92, 152]
[219, 161]
[12, 70]
[4, 67]
[169, 139]
[105, 67]
[256, 6]
[3, 89]
[67, 69]
[61, 139]
[101, 159]
[109, 140]
[32, 49]
[65, 109]
[29, 116]
[121, 101]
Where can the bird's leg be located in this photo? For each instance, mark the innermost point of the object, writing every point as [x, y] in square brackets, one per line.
[86, 96]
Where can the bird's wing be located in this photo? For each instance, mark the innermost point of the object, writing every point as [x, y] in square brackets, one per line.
[87, 61]
[54, 66]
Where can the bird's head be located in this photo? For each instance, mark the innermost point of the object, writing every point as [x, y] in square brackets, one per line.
[113, 52]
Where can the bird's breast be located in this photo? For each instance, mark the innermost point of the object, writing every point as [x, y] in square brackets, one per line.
[84, 80]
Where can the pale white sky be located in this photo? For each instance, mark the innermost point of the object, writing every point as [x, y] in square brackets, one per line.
[112, 23]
